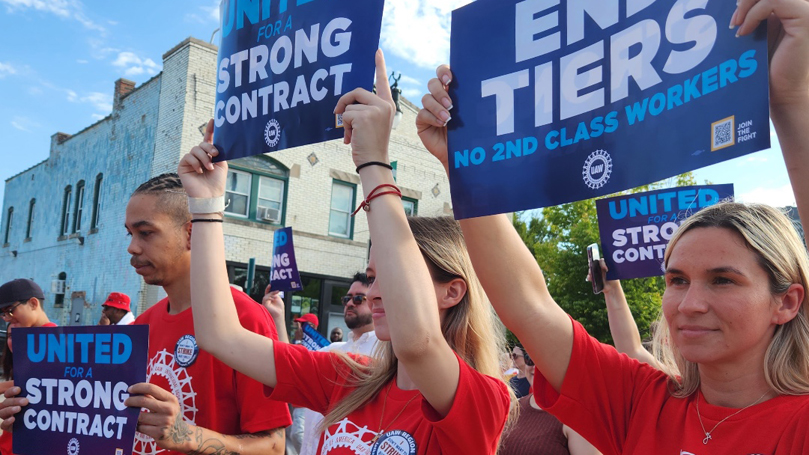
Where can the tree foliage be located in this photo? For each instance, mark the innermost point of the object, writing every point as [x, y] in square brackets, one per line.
[558, 239]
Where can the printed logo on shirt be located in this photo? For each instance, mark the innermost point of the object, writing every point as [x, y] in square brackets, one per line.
[163, 370]
[186, 351]
[348, 435]
[396, 442]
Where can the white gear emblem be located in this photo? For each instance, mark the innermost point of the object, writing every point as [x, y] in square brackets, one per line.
[164, 364]
[272, 132]
[73, 447]
[597, 169]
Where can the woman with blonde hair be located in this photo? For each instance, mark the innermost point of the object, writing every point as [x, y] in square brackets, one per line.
[437, 388]
[734, 333]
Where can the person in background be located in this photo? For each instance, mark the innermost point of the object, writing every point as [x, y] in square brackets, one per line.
[336, 335]
[20, 306]
[519, 382]
[539, 432]
[116, 311]
[308, 318]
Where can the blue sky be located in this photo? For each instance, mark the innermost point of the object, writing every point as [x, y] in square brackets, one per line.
[58, 74]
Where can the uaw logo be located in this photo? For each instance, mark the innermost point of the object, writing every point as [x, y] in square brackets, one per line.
[396, 442]
[73, 447]
[272, 132]
[597, 169]
[186, 351]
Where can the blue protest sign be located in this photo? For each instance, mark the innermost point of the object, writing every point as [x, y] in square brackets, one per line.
[76, 381]
[558, 101]
[635, 228]
[284, 275]
[282, 66]
[312, 339]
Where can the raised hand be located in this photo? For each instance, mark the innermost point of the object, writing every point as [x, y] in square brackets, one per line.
[201, 177]
[432, 120]
[274, 303]
[789, 43]
[368, 118]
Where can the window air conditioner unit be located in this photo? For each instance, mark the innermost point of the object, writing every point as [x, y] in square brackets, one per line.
[58, 286]
[269, 214]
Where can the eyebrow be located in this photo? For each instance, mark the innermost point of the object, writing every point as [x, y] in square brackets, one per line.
[138, 224]
[724, 269]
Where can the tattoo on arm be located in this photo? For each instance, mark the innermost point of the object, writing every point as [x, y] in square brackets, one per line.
[179, 432]
[215, 446]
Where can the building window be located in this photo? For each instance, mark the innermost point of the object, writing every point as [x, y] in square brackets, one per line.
[411, 206]
[256, 189]
[59, 290]
[237, 192]
[65, 226]
[96, 202]
[29, 226]
[9, 218]
[79, 206]
[341, 223]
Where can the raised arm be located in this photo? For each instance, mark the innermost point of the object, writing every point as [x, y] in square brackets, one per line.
[216, 322]
[623, 327]
[273, 302]
[408, 294]
[508, 271]
[789, 82]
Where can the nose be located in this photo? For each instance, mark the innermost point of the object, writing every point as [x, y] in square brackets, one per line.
[373, 293]
[692, 300]
[133, 247]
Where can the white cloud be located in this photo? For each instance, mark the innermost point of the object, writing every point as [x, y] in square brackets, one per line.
[101, 101]
[207, 14]
[82, 61]
[97, 117]
[6, 69]
[34, 90]
[418, 30]
[24, 124]
[66, 9]
[775, 196]
[135, 65]
[71, 95]
[414, 94]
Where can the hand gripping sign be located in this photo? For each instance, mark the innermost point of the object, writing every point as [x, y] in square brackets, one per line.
[282, 66]
[76, 381]
[558, 101]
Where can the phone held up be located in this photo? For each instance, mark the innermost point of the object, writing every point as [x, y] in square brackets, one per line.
[594, 261]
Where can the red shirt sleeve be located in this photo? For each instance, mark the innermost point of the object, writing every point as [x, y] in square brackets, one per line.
[598, 391]
[308, 379]
[478, 395]
[257, 411]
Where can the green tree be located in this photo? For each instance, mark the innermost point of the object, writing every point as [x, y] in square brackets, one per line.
[558, 238]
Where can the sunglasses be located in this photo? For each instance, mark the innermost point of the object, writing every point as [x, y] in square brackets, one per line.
[8, 312]
[357, 299]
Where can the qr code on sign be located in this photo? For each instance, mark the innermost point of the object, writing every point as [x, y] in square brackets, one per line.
[338, 120]
[722, 134]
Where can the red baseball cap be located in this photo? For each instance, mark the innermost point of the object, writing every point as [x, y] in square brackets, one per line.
[118, 300]
[311, 318]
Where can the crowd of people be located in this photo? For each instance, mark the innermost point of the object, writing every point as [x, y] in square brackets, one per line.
[421, 369]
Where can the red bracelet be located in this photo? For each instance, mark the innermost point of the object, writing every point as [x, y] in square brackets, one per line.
[366, 204]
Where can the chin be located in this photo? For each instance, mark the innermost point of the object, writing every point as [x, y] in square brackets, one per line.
[382, 332]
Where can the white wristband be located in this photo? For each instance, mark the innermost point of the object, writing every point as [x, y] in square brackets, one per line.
[206, 205]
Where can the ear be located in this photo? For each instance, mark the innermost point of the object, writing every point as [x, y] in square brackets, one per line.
[788, 304]
[451, 293]
[34, 302]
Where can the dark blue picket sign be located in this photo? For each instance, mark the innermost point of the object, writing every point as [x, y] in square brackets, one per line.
[559, 101]
[284, 275]
[282, 66]
[312, 339]
[635, 228]
[76, 381]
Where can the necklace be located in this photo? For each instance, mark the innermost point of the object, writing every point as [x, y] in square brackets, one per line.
[384, 403]
[708, 436]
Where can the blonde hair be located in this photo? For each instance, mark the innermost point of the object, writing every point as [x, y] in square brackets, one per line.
[771, 236]
[471, 327]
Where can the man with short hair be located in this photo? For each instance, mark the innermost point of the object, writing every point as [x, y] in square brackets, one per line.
[196, 403]
[115, 310]
[360, 340]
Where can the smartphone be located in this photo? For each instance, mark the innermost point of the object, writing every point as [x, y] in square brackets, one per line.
[594, 261]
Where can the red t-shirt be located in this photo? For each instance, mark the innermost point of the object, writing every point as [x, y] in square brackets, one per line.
[623, 406]
[316, 380]
[211, 394]
[6, 438]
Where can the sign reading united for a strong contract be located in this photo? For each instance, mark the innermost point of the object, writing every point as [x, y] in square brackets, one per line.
[282, 66]
[558, 101]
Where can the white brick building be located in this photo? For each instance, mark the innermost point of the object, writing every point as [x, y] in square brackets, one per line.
[62, 219]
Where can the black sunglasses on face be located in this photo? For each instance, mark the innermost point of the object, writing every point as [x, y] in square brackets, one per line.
[528, 360]
[8, 312]
[357, 299]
